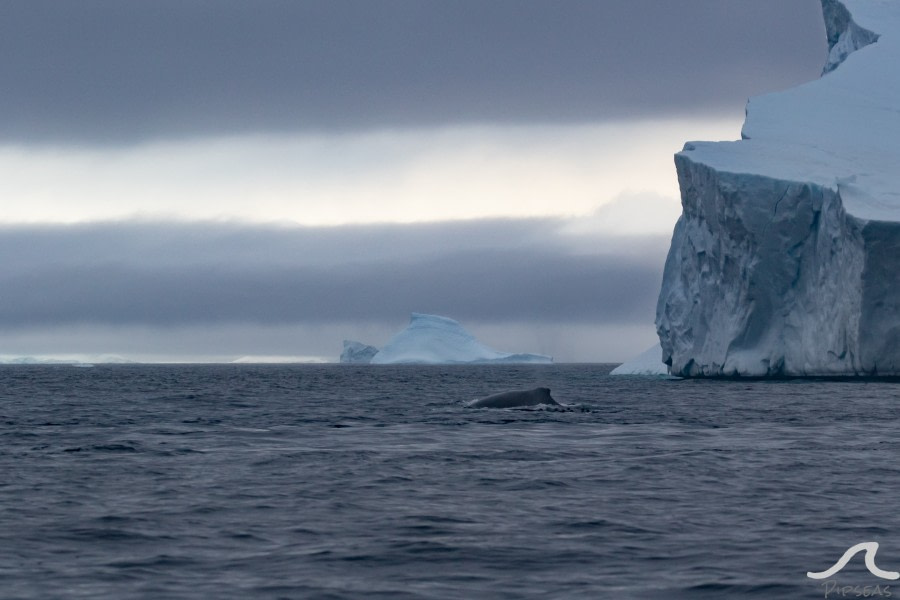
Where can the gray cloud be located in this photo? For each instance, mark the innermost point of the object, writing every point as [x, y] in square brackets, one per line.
[200, 274]
[122, 71]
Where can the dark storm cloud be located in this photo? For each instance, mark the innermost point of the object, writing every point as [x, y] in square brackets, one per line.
[216, 274]
[126, 70]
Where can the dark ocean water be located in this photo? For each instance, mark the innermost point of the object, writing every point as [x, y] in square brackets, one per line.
[376, 482]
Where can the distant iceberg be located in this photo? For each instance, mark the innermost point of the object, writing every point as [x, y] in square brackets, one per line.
[430, 339]
[80, 360]
[34, 360]
[278, 360]
[648, 363]
[357, 353]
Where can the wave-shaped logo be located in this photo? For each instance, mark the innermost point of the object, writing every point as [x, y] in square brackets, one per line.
[870, 549]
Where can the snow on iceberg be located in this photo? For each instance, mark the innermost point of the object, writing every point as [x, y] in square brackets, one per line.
[785, 259]
[648, 363]
[430, 339]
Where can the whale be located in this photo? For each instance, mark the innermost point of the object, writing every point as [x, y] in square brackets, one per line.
[515, 399]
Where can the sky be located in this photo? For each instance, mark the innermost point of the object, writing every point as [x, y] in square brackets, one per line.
[198, 180]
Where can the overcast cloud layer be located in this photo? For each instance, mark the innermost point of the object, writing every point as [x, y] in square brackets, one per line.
[174, 275]
[129, 70]
[564, 113]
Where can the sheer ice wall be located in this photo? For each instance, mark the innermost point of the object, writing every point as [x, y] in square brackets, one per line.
[785, 260]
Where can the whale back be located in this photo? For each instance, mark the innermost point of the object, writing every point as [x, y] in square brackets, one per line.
[515, 399]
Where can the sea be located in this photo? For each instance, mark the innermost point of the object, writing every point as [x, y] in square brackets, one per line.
[378, 482]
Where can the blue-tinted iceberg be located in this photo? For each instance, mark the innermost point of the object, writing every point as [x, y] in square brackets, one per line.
[430, 339]
[357, 353]
[785, 259]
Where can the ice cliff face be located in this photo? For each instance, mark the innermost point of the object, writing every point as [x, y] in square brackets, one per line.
[785, 258]
[430, 339]
[844, 36]
[357, 353]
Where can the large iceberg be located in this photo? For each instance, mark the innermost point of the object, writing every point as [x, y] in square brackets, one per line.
[785, 260]
[430, 339]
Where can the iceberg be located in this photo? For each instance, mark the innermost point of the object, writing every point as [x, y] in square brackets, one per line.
[784, 261]
[647, 363]
[80, 360]
[430, 339]
[278, 359]
[357, 353]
